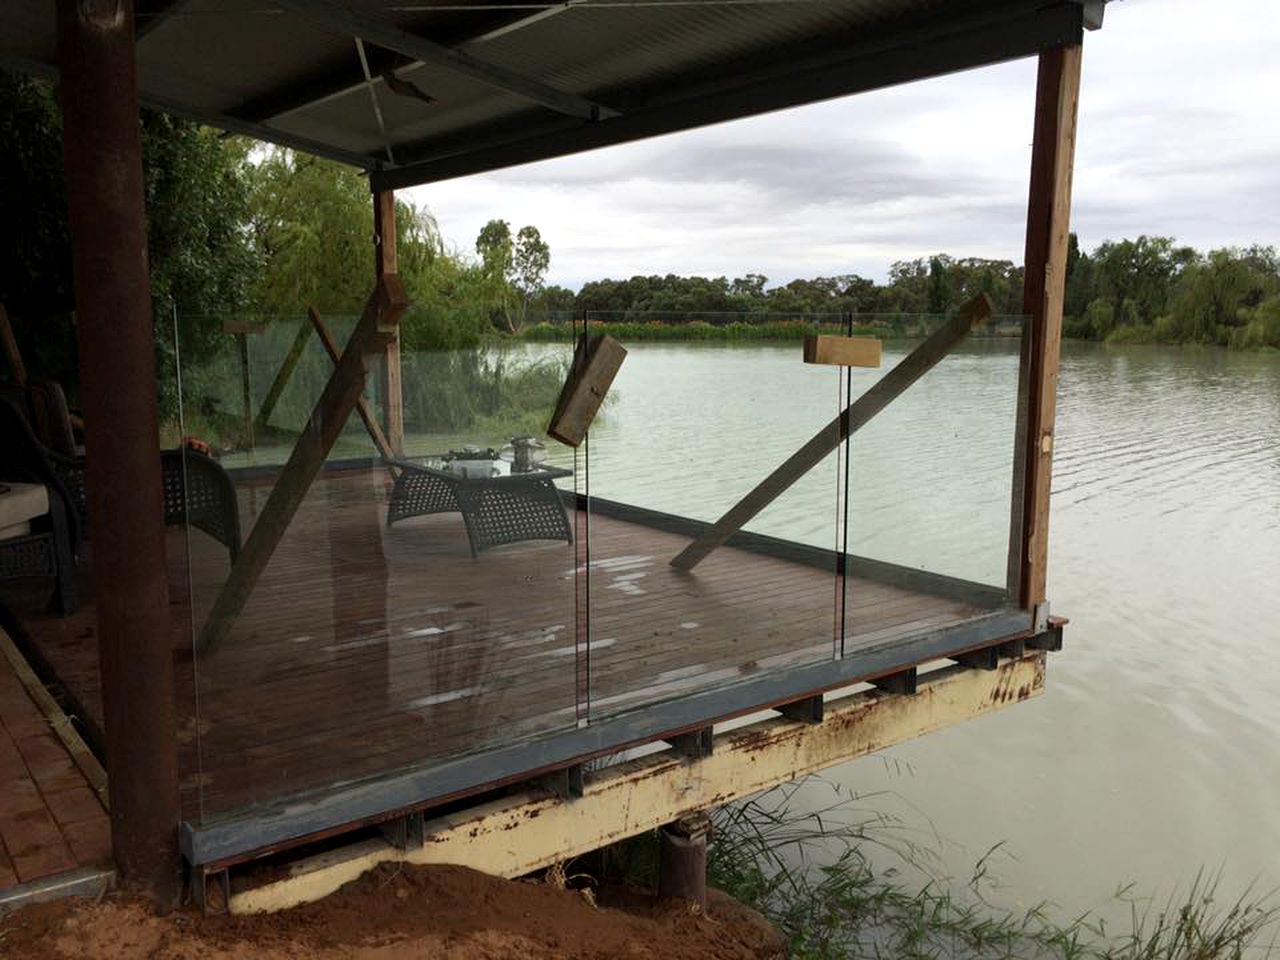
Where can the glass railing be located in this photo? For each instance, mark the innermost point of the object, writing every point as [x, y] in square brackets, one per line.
[689, 430]
[399, 596]
[375, 585]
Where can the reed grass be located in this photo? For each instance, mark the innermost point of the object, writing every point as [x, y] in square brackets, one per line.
[820, 877]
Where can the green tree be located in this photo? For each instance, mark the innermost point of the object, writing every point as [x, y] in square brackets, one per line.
[529, 263]
[496, 251]
[201, 259]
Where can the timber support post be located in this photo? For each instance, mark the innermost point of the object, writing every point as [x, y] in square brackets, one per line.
[682, 859]
[1048, 230]
[103, 163]
[386, 261]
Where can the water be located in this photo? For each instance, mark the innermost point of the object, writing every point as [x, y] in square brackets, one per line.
[1154, 751]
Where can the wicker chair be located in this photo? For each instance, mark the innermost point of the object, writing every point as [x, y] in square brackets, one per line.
[197, 490]
[48, 547]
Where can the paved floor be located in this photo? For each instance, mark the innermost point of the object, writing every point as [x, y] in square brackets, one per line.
[50, 818]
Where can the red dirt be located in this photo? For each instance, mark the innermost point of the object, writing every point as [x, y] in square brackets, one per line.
[401, 913]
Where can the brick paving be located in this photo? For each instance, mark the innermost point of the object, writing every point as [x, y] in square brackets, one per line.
[50, 818]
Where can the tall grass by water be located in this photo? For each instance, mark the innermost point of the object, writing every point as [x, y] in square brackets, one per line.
[850, 882]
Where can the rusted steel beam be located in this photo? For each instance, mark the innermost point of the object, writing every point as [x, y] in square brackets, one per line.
[1048, 226]
[518, 834]
[382, 313]
[386, 260]
[103, 160]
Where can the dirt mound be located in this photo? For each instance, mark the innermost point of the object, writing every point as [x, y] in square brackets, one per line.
[402, 913]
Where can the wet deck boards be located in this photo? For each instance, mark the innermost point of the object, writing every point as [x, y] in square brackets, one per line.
[366, 649]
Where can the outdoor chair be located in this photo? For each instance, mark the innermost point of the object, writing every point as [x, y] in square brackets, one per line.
[197, 490]
[39, 524]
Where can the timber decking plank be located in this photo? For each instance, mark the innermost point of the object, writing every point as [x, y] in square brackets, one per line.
[362, 695]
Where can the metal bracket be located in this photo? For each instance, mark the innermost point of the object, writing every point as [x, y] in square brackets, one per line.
[1040, 617]
[988, 658]
[1013, 648]
[215, 882]
[405, 833]
[808, 710]
[903, 682]
[567, 783]
[694, 745]
[1050, 639]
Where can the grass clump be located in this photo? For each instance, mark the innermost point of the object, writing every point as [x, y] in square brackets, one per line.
[815, 875]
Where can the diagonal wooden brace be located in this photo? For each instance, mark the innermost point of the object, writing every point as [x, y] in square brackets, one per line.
[910, 369]
[377, 326]
[282, 376]
[362, 406]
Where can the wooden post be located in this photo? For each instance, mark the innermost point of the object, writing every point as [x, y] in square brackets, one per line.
[102, 151]
[11, 351]
[910, 369]
[1048, 226]
[386, 261]
[246, 389]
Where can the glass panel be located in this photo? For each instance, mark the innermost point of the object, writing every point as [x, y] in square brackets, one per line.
[691, 427]
[931, 489]
[412, 610]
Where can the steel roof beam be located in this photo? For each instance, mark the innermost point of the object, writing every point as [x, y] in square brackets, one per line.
[372, 29]
[345, 78]
[788, 79]
[48, 71]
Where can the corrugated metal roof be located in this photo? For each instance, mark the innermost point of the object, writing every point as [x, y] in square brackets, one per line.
[519, 80]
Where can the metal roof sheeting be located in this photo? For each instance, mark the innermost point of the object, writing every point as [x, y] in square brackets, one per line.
[517, 81]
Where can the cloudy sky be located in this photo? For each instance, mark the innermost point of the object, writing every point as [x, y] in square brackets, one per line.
[1179, 135]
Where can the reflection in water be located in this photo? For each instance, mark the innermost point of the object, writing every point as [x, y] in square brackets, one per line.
[1153, 751]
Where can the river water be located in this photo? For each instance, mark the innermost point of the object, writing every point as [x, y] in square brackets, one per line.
[1154, 751]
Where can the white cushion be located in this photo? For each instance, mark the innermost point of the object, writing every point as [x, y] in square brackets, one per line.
[21, 503]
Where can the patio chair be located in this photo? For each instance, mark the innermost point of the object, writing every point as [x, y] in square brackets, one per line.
[39, 524]
[197, 490]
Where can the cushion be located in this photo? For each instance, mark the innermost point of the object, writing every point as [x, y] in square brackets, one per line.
[20, 504]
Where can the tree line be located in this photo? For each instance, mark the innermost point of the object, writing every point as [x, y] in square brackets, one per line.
[238, 228]
[1147, 290]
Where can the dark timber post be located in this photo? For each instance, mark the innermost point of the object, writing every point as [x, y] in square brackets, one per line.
[103, 160]
[682, 859]
[385, 262]
[1048, 225]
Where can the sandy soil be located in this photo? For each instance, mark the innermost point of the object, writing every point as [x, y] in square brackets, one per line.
[402, 912]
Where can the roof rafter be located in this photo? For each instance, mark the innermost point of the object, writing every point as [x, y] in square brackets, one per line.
[377, 30]
[783, 78]
[341, 79]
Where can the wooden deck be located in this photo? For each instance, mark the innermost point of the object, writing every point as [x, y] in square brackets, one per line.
[366, 649]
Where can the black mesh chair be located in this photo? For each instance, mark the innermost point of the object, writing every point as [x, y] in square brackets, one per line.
[197, 492]
[48, 548]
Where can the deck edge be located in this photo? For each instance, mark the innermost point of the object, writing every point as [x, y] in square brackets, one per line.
[529, 831]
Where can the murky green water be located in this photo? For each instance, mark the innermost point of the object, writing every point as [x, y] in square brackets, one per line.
[1154, 751]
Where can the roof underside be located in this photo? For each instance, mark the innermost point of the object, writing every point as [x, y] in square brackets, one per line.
[435, 89]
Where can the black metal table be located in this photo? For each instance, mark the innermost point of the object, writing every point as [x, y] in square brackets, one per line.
[496, 510]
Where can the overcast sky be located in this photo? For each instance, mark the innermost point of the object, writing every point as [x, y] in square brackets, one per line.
[1179, 135]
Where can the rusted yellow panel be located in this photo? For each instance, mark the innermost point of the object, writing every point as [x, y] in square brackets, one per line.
[515, 835]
